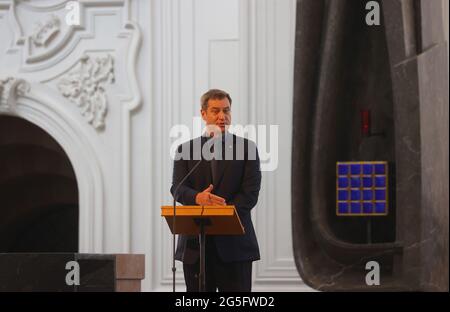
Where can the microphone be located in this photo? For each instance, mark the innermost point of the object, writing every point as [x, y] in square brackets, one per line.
[175, 196]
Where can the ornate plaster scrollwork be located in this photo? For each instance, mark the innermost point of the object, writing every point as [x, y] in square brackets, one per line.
[10, 88]
[86, 87]
[44, 33]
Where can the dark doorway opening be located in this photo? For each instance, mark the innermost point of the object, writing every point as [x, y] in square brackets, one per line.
[38, 191]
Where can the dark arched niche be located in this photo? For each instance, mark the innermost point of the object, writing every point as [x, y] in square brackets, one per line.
[38, 191]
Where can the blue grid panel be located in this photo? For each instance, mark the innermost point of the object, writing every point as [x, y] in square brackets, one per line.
[355, 207]
[343, 208]
[362, 188]
[343, 169]
[342, 182]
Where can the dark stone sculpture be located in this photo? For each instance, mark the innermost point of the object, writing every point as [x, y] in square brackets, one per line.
[398, 70]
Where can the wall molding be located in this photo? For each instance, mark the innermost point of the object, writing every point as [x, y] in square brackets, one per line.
[129, 103]
[85, 87]
[10, 89]
[66, 39]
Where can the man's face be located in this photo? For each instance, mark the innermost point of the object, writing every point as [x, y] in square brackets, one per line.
[218, 114]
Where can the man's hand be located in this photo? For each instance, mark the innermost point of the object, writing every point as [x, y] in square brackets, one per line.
[205, 198]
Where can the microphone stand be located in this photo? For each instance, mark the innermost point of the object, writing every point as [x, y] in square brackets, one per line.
[175, 195]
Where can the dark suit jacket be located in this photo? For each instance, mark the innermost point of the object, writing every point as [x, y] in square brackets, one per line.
[239, 184]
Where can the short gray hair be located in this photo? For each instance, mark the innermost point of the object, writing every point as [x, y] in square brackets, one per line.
[213, 94]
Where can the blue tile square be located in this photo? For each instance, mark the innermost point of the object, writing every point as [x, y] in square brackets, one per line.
[342, 182]
[355, 195]
[355, 169]
[367, 169]
[380, 207]
[343, 169]
[367, 207]
[367, 182]
[380, 194]
[380, 181]
[380, 168]
[355, 208]
[355, 182]
[365, 185]
[342, 195]
[343, 208]
[367, 195]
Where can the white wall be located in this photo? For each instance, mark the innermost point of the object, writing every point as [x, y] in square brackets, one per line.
[165, 54]
[245, 47]
[49, 55]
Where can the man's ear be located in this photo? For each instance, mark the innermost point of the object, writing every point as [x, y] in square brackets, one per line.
[203, 114]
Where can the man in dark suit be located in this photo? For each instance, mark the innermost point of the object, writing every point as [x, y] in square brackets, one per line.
[231, 177]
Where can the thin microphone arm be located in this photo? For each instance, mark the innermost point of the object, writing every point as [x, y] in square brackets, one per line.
[175, 197]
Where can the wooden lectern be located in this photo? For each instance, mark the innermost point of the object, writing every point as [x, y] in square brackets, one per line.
[202, 221]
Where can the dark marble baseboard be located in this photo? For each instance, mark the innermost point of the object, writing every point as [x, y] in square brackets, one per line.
[47, 272]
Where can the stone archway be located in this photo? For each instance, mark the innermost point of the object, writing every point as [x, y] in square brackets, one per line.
[38, 191]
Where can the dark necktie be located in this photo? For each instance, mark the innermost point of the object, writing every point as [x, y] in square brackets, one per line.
[217, 166]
